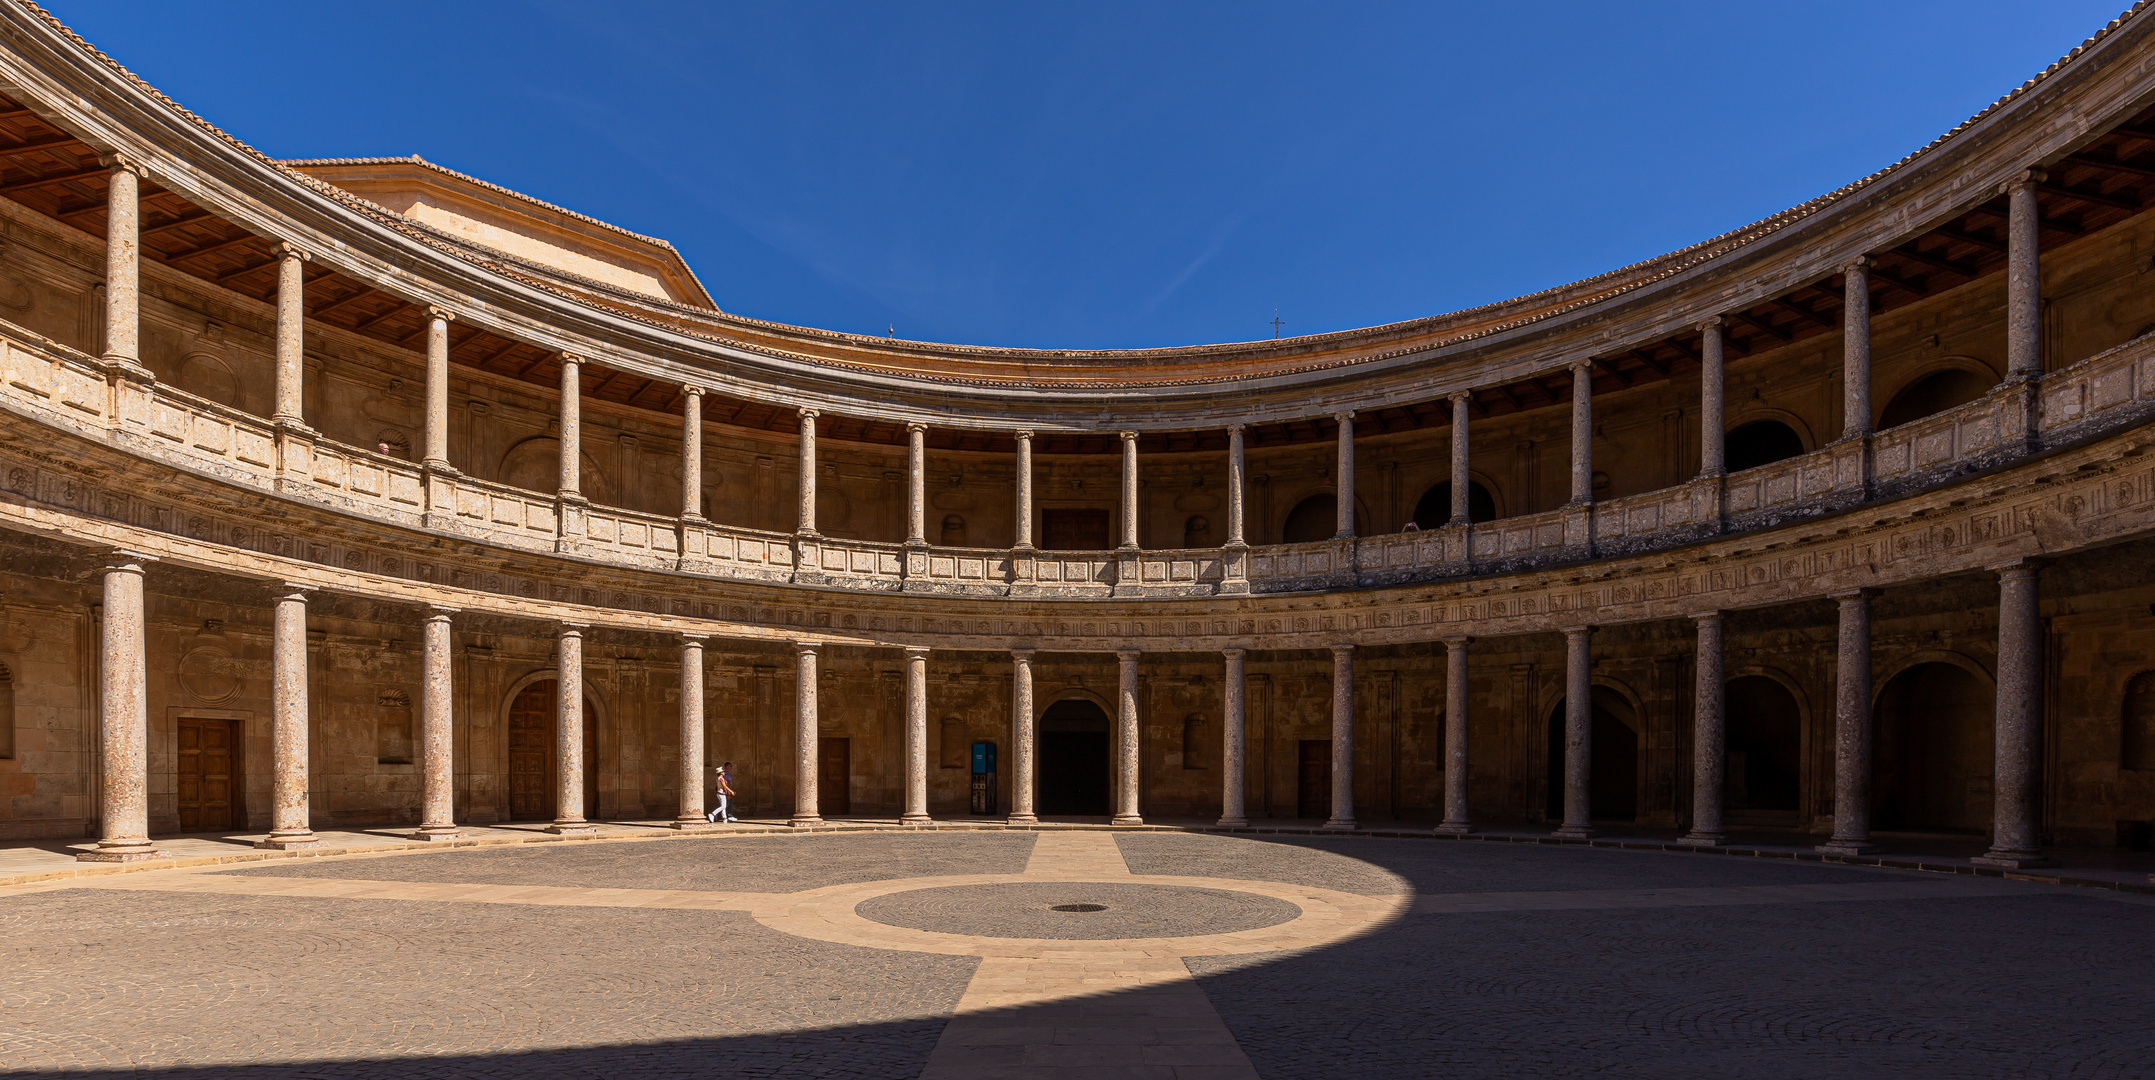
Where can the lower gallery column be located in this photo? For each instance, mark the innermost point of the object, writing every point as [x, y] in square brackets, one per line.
[1455, 738]
[1022, 740]
[1852, 729]
[692, 765]
[805, 745]
[123, 719]
[288, 817]
[1126, 740]
[1342, 739]
[1578, 732]
[1709, 738]
[569, 735]
[1232, 812]
[2014, 843]
[916, 738]
[437, 732]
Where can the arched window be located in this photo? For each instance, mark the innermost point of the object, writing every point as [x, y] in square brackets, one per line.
[1435, 507]
[1313, 519]
[1197, 532]
[953, 531]
[1760, 442]
[952, 743]
[2136, 747]
[1933, 394]
[1193, 741]
[394, 443]
[393, 728]
[7, 712]
[210, 377]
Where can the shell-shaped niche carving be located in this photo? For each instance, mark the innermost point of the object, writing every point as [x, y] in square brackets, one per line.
[210, 675]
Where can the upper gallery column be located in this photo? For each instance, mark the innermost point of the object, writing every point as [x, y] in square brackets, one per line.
[1126, 740]
[1852, 729]
[1709, 736]
[692, 454]
[1582, 432]
[123, 718]
[1024, 530]
[436, 455]
[437, 731]
[291, 337]
[1342, 739]
[1232, 812]
[2014, 842]
[916, 737]
[1343, 491]
[572, 427]
[123, 263]
[1129, 490]
[569, 734]
[1856, 349]
[807, 526]
[1713, 423]
[1578, 732]
[916, 484]
[1236, 470]
[692, 752]
[2023, 279]
[288, 817]
[1455, 821]
[805, 735]
[1461, 508]
[1022, 739]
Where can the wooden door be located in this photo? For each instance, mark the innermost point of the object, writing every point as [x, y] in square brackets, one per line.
[1074, 530]
[1313, 779]
[531, 743]
[834, 776]
[209, 775]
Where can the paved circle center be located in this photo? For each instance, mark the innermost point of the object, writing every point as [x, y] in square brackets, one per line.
[1077, 910]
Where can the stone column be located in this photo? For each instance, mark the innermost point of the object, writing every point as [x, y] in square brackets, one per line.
[1023, 742]
[436, 436]
[1236, 470]
[2023, 279]
[1456, 822]
[808, 473]
[1232, 812]
[569, 735]
[1713, 423]
[1578, 732]
[289, 826]
[291, 337]
[1856, 349]
[572, 428]
[1461, 481]
[1126, 737]
[916, 484]
[123, 718]
[1343, 488]
[692, 455]
[1709, 738]
[123, 264]
[1129, 490]
[693, 766]
[1024, 531]
[1852, 729]
[1582, 432]
[1342, 739]
[437, 732]
[806, 734]
[916, 737]
[2014, 840]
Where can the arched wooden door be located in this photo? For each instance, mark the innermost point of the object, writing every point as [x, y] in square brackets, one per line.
[531, 754]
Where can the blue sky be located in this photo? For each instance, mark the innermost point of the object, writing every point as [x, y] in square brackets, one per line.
[1104, 175]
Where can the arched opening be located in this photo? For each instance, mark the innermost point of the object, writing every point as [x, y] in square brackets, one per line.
[953, 531]
[1765, 751]
[1435, 506]
[209, 377]
[1933, 765]
[1316, 518]
[1933, 394]
[2136, 729]
[1760, 442]
[531, 754]
[1073, 759]
[1197, 531]
[1612, 777]
[535, 465]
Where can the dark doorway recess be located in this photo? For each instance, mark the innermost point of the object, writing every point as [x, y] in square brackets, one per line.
[531, 755]
[1933, 765]
[1933, 394]
[1765, 755]
[1612, 777]
[1074, 529]
[1073, 759]
[209, 783]
[1760, 442]
[834, 776]
[1435, 507]
[1313, 779]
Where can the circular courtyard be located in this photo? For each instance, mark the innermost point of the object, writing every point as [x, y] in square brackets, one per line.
[1069, 953]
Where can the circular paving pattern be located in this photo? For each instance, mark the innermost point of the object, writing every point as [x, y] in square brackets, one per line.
[1104, 911]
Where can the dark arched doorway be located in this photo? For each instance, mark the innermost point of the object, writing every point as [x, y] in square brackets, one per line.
[1760, 442]
[1765, 749]
[531, 754]
[1933, 764]
[1316, 518]
[1073, 759]
[1435, 506]
[1613, 760]
[1933, 394]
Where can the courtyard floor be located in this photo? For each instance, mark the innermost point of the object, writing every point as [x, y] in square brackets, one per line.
[944, 954]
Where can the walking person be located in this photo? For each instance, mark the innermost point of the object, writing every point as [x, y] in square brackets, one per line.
[722, 780]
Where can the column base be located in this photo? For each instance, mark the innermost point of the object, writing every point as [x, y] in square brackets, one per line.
[1455, 828]
[1022, 819]
[916, 820]
[573, 828]
[2013, 860]
[142, 852]
[1126, 819]
[699, 823]
[1847, 847]
[1341, 825]
[1703, 839]
[289, 841]
[805, 821]
[1233, 823]
[437, 833]
[1574, 832]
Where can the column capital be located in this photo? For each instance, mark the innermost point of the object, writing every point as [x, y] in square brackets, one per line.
[1458, 396]
[1860, 262]
[1343, 416]
[1022, 435]
[569, 359]
[1341, 648]
[692, 391]
[1021, 654]
[920, 651]
[1460, 642]
[1713, 323]
[441, 611]
[573, 629]
[286, 250]
[807, 648]
[693, 639]
[290, 590]
[1577, 629]
[118, 161]
[1584, 364]
[1234, 654]
[807, 413]
[1237, 429]
[2023, 178]
[1127, 436]
[1707, 616]
[127, 559]
[916, 425]
[442, 313]
[1849, 596]
[2020, 566]
[1128, 656]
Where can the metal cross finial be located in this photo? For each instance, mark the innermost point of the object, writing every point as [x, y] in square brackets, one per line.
[1276, 324]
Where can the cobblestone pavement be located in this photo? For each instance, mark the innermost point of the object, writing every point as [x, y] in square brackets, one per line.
[1028, 911]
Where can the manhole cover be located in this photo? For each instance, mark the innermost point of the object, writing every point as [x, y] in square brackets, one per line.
[1079, 907]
